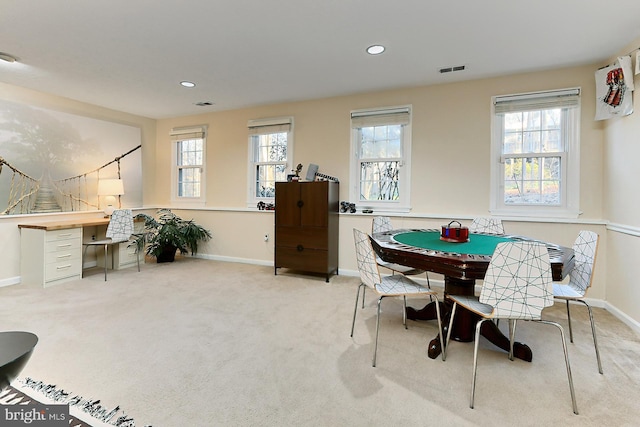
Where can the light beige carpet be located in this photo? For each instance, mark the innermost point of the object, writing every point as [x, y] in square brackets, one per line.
[204, 343]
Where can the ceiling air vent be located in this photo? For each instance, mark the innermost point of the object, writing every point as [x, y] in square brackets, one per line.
[452, 69]
[204, 104]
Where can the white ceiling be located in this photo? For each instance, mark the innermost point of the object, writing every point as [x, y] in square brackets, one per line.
[130, 55]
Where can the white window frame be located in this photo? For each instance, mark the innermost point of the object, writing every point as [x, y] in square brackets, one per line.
[183, 134]
[265, 127]
[380, 117]
[569, 101]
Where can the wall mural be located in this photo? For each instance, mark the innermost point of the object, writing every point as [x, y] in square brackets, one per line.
[51, 161]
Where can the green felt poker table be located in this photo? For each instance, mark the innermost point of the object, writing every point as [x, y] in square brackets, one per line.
[461, 264]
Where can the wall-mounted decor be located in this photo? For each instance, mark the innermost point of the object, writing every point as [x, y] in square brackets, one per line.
[51, 161]
[614, 87]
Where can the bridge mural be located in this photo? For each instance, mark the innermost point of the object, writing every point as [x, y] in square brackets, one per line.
[51, 161]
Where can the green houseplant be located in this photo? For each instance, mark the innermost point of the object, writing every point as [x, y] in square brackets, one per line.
[169, 233]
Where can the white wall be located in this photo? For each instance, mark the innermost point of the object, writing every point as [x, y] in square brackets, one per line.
[621, 200]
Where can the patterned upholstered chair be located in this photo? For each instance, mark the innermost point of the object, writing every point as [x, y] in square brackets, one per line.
[119, 230]
[517, 286]
[388, 286]
[580, 278]
[487, 225]
[381, 224]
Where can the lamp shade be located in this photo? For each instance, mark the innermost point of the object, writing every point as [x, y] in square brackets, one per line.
[110, 187]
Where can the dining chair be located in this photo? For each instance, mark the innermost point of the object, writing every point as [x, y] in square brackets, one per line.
[585, 249]
[382, 224]
[487, 225]
[397, 285]
[119, 230]
[517, 286]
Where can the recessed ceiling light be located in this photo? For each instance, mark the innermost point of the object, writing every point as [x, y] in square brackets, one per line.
[376, 49]
[7, 57]
[187, 84]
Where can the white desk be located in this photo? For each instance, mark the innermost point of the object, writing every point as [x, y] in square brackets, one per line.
[51, 252]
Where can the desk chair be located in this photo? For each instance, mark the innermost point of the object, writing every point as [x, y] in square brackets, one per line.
[585, 248]
[486, 225]
[119, 230]
[381, 224]
[517, 286]
[387, 286]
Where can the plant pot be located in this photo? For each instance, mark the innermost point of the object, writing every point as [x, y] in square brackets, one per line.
[168, 254]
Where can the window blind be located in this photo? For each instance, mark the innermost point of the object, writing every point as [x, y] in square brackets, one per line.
[387, 117]
[181, 134]
[569, 98]
[275, 125]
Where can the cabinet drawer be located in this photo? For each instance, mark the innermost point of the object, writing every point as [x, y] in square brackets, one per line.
[62, 269]
[308, 237]
[68, 233]
[315, 261]
[63, 245]
[62, 257]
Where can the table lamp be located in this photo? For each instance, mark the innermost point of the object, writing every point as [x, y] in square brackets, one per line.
[110, 188]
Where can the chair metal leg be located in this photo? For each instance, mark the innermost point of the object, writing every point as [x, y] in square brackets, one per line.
[363, 291]
[375, 346]
[404, 311]
[355, 310]
[105, 262]
[566, 361]
[475, 362]
[453, 314]
[444, 356]
[593, 332]
[512, 336]
[569, 320]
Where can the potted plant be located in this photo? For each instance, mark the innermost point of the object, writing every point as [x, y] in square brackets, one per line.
[168, 234]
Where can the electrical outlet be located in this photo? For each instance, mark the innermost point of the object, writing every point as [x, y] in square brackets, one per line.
[93, 237]
[266, 237]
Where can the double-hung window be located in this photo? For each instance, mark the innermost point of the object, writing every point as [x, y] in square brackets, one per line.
[188, 164]
[381, 158]
[270, 156]
[536, 155]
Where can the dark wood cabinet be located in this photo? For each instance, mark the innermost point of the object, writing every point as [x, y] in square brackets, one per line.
[306, 226]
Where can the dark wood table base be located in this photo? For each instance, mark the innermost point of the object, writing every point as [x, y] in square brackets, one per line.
[464, 329]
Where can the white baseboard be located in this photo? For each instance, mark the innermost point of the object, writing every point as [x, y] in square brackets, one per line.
[624, 318]
[234, 259]
[10, 281]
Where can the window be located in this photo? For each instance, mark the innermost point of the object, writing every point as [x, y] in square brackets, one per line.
[270, 154]
[536, 166]
[381, 154]
[188, 162]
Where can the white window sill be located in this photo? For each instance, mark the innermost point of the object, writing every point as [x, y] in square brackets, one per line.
[536, 212]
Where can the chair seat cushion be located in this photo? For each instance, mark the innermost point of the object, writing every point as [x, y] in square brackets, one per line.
[567, 291]
[472, 303]
[403, 269]
[401, 285]
[100, 242]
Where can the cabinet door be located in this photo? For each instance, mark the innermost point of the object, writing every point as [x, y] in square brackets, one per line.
[315, 208]
[287, 197]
